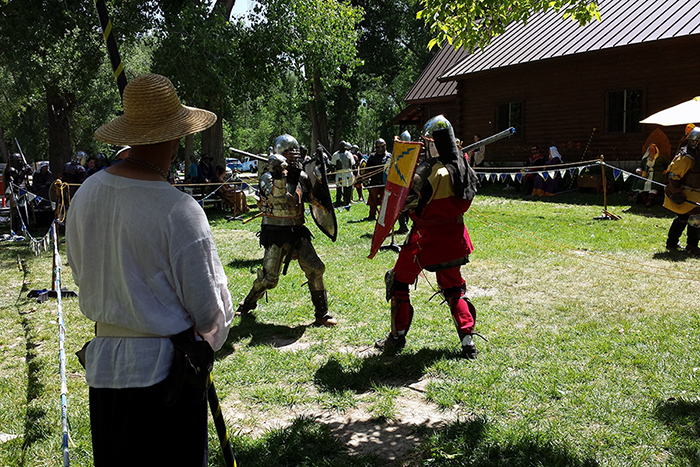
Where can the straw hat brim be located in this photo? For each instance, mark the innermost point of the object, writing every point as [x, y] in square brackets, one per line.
[186, 121]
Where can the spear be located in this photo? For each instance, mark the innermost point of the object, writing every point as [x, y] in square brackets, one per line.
[112, 50]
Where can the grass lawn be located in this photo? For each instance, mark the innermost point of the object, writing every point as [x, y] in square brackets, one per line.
[591, 357]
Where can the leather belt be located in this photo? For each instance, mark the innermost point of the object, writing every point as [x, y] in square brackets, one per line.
[112, 330]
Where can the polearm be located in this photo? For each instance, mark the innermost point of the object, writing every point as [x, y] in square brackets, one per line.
[119, 75]
[112, 50]
[491, 139]
[220, 424]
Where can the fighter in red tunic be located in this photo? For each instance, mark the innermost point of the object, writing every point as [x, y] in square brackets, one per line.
[439, 242]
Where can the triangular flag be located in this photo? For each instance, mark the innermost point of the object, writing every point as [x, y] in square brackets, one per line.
[552, 173]
[543, 175]
[625, 176]
[512, 176]
[519, 176]
[562, 173]
[616, 173]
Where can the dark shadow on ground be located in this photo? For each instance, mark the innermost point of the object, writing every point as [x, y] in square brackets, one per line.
[400, 369]
[682, 417]
[260, 334]
[674, 256]
[245, 263]
[306, 442]
[310, 442]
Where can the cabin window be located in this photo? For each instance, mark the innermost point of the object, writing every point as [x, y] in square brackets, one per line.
[624, 111]
[510, 115]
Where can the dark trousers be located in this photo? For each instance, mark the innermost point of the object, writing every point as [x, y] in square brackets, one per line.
[133, 427]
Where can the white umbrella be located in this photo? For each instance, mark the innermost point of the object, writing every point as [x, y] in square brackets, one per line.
[681, 114]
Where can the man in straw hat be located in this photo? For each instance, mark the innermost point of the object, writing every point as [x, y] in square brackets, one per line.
[143, 255]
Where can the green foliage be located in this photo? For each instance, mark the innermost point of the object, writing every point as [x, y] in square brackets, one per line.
[473, 24]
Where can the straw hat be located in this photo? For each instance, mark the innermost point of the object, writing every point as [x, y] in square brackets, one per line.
[153, 114]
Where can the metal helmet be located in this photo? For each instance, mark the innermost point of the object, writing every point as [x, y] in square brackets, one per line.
[344, 145]
[694, 137]
[405, 136]
[355, 149]
[436, 123]
[286, 143]
[379, 143]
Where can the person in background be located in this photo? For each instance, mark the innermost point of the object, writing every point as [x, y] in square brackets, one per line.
[205, 170]
[343, 162]
[360, 163]
[121, 154]
[551, 185]
[373, 175]
[477, 156]
[143, 255]
[192, 173]
[682, 195]
[536, 159]
[42, 180]
[652, 168]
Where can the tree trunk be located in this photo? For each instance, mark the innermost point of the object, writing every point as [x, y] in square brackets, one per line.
[213, 137]
[319, 116]
[60, 146]
[340, 115]
[3, 146]
[189, 149]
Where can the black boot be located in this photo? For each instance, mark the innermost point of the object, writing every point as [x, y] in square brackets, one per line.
[320, 300]
[693, 238]
[674, 234]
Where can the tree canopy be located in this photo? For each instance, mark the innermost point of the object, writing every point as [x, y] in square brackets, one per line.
[473, 24]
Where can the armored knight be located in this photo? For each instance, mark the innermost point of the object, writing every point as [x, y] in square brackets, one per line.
[683, 194]
[343, 162]
[283, 189]
[443, 186]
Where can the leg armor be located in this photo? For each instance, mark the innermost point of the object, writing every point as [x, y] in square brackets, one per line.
[464, 317]
[313, 267]
[401, 309]
[267, 279]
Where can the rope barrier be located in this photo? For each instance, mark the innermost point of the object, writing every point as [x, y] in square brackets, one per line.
[61, 351]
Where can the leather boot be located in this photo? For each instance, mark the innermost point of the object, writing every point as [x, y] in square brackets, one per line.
[320, 300]
[691, 247]
[674, 234]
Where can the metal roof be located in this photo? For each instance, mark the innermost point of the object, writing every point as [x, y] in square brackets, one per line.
[548, 35]
[427, 86]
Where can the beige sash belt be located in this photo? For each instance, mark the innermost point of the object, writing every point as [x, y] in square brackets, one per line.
[112, 330]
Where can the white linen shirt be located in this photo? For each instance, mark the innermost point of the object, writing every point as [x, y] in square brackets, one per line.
[144, 258]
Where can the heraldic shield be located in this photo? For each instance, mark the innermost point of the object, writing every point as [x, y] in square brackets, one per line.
[322, 209]
[398, 184]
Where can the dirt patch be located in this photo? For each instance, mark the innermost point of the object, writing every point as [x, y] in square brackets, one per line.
[357, 428]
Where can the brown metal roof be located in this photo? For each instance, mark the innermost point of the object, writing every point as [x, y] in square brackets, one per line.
[547, 35]
[427, 86]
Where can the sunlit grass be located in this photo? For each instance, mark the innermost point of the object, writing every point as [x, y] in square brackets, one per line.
[591, 357]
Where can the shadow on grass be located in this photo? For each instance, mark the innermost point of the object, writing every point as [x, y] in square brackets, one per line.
[466, 443]
[309, 442]
[683, 418]
[306, 442]
[260, 334]
[674, 256]
[34, 429]
[385, 369]
[249, 264]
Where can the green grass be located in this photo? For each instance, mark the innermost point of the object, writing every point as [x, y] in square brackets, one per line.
[591, 357]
